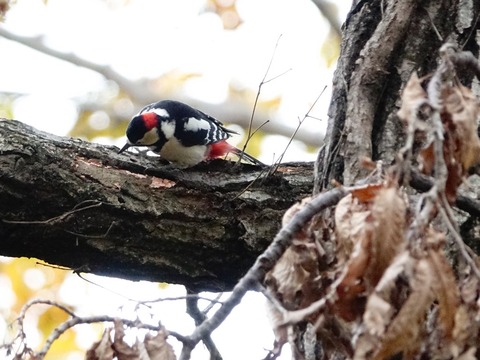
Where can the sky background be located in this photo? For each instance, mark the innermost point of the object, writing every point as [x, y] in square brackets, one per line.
[148, 39]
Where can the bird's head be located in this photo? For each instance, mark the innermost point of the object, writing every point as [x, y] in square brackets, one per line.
[142, 131]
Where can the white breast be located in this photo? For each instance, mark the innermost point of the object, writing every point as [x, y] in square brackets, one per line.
[183, 156]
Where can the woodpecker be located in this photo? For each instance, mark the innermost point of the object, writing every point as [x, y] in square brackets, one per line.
[182, 135]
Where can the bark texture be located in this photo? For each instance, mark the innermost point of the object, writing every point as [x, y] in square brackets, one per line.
[77, 204]
[383, 43]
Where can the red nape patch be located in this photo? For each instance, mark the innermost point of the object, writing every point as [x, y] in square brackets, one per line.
[150, 120]
[219, 149]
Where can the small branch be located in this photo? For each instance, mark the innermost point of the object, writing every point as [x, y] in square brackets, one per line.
[199, 317]
[264, 81]
[37, 43]
[58, 218]
[263, 264]
[424, 183]
[445, 212]
[97, 319]
[73, 321]
[274, 168]
[330, 14]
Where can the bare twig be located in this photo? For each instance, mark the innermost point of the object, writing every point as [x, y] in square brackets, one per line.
[424, 183]
[199, 317]
[73, 321]
[58, 218]
[273, 169]
[263, 82]
[330, 14]
[263, 264]
[97, 319]
[145, 302]
[103, 236]
[134, 89]
[445, 212]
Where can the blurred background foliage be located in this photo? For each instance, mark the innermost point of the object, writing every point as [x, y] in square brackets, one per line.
[54, 84]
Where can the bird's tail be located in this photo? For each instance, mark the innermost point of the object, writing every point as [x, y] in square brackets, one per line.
[243, 155]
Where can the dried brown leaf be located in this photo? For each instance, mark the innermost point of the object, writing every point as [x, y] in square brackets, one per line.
[463, 106]
[367, 192]
[288, 277]
[377, 315]
[122, 350]
[294, 278]
[470, 354]
[389, 222]
[446, 290]
[101, 350]
[462, 330]
[350, 218]
[403, 333]
[413, 97]
[461, 144]
[377, 233]
[158, 348]
[380, 309]
[426, 159]
[351, 286]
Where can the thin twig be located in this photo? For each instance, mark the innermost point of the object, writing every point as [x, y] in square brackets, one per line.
[199, 317]
[274, 168]
[73, 321]
[250, 124]
[103, 236]
[97, 319]
[447, 217]
[145, 302]
[330, 13]
[424, 183]
[56, 218]
[134, 89]
[260, 174]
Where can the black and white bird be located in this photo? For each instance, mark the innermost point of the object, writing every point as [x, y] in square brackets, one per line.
[182, 135]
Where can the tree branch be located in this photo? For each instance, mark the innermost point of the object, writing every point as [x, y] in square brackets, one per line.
[36, 43]
[83, 206]
[328, 11]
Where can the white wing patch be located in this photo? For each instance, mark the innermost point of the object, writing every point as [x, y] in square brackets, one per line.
[168, 128]
[195, 124]
[159, 111]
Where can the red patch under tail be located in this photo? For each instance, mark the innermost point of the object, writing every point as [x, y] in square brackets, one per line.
[222, 148]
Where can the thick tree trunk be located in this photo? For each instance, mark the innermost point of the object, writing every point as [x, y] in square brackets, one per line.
[383, 43]
[80, 205]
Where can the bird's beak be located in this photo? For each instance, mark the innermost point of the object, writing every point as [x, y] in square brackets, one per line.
[125, 147]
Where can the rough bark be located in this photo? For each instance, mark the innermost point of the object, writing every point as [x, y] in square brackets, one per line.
[383, 43]
[78, 204]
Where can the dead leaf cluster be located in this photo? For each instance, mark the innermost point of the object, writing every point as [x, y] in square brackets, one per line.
[372, 279]
[459, 114]
[378, 297]
[112, 345]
